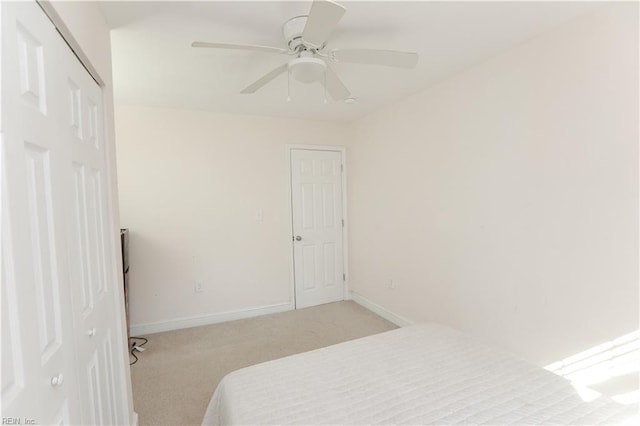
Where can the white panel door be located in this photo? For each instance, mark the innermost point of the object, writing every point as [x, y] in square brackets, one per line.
[38, 372]
[89, 246]
[316, 200]
[60, 315]
[92, 268]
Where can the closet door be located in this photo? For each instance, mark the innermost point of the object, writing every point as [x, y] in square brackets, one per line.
[39, 381]
[60, 312]
[90, 248]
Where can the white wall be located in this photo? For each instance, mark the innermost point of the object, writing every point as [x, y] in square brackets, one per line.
[84, 24]
[191, 184]
[504, 200]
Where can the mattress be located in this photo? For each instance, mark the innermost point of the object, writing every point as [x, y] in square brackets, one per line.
[422, 374]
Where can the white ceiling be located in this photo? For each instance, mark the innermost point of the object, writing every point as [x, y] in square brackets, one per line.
[154, 64]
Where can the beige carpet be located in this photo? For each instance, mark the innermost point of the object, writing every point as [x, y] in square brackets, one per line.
[179, 370]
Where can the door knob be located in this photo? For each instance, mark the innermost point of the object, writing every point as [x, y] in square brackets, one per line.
[91, 332]
[56, 381]
[298, 238]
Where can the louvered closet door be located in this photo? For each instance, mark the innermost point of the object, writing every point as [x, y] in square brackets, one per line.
[60, 304]
[38, 369]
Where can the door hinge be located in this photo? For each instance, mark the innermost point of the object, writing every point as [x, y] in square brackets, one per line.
[344, 277]
[343, 223]
[342, 167]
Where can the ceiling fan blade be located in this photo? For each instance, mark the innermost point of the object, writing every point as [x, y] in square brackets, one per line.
[389, 58]
[335, 86]
[253, 47]
[323, 18]
[264, 79]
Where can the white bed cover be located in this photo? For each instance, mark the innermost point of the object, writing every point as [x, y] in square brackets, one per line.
[422, 374]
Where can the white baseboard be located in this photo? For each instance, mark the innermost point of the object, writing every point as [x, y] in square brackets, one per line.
[187, 322]
[134, 419]
[383, 312]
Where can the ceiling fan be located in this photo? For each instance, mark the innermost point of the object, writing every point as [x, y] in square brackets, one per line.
[306, 40]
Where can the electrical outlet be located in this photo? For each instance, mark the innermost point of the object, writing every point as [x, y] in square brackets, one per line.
[198, 287]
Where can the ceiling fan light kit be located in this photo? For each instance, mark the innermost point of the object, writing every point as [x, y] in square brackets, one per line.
[306, 68]
[306, 39]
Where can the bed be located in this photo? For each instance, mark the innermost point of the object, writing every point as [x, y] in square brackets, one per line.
[422, 374]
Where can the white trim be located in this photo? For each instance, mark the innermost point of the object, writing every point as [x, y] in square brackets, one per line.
[340, 148]
[134, 419]
[345, 247]
[345, 228]
[196, 321]
[292, 284]
[382, 311]
[49, 10]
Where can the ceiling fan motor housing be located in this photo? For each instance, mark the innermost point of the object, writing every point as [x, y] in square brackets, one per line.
[292, 31]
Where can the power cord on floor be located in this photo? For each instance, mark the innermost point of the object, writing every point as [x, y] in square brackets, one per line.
[135, 346]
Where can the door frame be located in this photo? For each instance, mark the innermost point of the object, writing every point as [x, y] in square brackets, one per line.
[345, 247]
